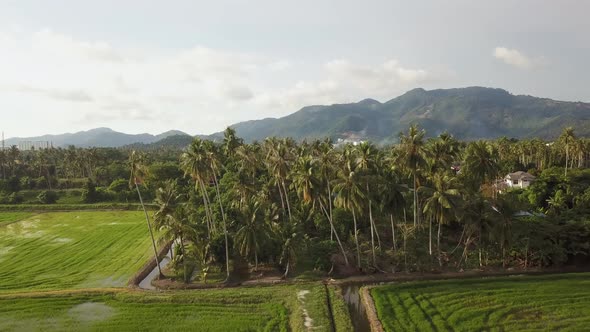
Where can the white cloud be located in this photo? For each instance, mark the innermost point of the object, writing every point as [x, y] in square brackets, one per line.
[65, 95]
[198, 89]
[48, 41]
[517, 59]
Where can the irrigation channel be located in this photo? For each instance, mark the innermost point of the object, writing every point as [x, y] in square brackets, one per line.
[350, 292]
[356, 307]
[146, 283]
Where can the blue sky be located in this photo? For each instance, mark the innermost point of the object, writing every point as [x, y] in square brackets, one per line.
[198, 66]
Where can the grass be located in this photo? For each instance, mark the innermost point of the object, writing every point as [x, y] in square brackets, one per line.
[74, 207]
[10, 217]
[272, 308]
[64, 250]
[532, 303]
[340, 312]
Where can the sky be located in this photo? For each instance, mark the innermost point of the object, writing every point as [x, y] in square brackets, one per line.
[199, 66]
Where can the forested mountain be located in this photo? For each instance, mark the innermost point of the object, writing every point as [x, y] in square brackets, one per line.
[468, 113]
[99, 137]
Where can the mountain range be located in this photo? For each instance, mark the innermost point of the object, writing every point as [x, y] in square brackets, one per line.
[468, 113]
[98, 137]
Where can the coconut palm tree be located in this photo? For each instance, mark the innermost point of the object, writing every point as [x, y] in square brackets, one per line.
[195, 164]
[441, 204]
[308, 186]
[214, 162]
[138, 174]
[413, 157]
[172, 221]
[254, 231]
[349, 195]
[481, 163]
[567, 138]
[366, 160]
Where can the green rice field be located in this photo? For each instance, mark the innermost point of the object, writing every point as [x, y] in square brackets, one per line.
[65, 250]
[518, 303]
[272, 308]
[10, 217]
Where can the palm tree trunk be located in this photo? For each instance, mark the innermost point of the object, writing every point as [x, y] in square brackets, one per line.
[356, 240]
[372, 237]
[147, 219]
[286, 198]
[287, 269]
[430, 236]
[566, 157]
[224, 223]
[207, 215]
[255, 260]
[415, 201]
[282, 199]
[184, 267]
[336, 234]
[438, 235]
[393, 232]
[330, 206]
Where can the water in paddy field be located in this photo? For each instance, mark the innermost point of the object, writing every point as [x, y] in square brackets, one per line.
[146, 283]
[358, 315]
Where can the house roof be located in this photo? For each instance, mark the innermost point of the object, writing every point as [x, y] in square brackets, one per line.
[520, 175]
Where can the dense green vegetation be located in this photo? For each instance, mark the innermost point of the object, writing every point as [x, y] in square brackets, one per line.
[273, 308]
[517, 303]
[62, 250]
[423, 204]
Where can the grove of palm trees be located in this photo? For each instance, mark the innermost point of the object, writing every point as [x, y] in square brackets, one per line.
[425, 204]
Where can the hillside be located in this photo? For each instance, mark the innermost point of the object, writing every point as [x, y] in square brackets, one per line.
[468, 113]
[99, 137]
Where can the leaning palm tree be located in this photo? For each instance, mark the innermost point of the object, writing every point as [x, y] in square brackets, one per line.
[172, 221]
[138, 174]
[308, 186]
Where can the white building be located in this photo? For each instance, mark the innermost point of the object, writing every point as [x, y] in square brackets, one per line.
[519, 179]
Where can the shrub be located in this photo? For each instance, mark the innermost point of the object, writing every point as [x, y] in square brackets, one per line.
[89, 194]
[47, 197]
[119, 185]
[15, 198]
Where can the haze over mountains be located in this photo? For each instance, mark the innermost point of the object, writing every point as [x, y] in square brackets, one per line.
[468, 113]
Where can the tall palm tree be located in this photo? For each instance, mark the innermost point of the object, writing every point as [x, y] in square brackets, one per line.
[441, 204]
[349, 195]
[481, 163]
[307, 185]
[194, 163]
[567, 138]
[138, 174]
[171, 220]
[254, 231]
[412, 154]
[367, 155]
[212, 157]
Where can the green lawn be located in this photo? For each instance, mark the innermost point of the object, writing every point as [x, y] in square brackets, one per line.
[272, 308]
[519, 303]
[64, 250]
